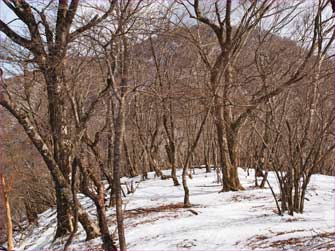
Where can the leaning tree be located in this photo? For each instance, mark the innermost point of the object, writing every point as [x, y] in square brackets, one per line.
[51, 29]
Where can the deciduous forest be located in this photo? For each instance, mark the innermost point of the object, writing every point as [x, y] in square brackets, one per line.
[167, 125]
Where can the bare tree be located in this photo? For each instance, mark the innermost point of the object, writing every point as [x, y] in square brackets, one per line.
[98, 196]
[47, 45]
[113, 47]
[190, 150]
[168, 111]
[223, 82]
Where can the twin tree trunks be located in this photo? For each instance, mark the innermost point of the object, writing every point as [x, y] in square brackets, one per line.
[63, 153]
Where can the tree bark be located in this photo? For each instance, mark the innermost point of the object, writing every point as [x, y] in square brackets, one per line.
[190, 151]
[5, 193]
[108, 243]
[98, 198]
[131, 167]
[64, 212]
[187, 202]
[118, 135]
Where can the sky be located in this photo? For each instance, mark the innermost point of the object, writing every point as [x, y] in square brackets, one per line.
[6, 15]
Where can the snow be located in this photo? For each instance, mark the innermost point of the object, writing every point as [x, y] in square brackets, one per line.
[155, 219]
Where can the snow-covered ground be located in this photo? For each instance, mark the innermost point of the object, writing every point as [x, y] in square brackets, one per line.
[155, 219]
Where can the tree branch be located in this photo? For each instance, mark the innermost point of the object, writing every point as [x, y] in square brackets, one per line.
[93, 22]
[24, 42]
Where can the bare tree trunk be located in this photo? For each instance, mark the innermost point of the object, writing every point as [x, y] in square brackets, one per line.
[265, 177]
[65, 217]
[75, 204]
[54, 76]
[64, 212]
[107, 241]
[98, 198]
[187, 202]
[168, 121]
[5, 193]
[206, 152]
[171, 153]
[190, 151]
[131, 167]
[144, 166]
[118, 135]
[91, 229]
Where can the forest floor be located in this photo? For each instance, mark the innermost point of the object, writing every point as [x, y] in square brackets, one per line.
[245, 220]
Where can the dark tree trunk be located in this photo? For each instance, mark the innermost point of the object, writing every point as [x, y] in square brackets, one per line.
[99, 200]
[222, 159]
[265, 177]
[207, 165]
[90, 228]
[64, 212]
[61, 150]
[171, 153]
[231, 157]
[65, 216]
[108, 243]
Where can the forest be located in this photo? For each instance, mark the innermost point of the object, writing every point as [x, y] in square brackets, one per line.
[167, 125]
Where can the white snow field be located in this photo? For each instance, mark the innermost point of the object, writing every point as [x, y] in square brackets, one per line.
[244, 220]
